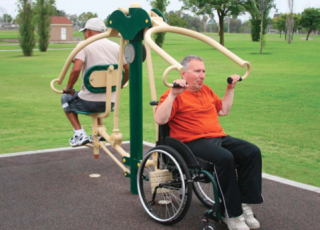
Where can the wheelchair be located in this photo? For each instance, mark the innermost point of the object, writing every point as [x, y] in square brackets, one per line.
[168, 174]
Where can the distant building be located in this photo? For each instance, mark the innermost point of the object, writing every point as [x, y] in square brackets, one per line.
[61, 29]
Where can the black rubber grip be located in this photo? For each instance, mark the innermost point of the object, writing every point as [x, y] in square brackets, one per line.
[176, 85]
[153, 103]
[229, 80]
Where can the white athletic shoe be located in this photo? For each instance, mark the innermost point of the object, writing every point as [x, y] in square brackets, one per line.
[100, 138]
[236, 223]
[252, 222]
[82, 139]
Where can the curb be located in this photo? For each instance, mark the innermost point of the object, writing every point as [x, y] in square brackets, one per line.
[264, 175]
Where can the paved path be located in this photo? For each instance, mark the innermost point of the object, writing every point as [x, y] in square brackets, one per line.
[53, 190]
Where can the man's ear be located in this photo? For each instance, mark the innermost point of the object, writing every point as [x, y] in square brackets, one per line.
[183, 74]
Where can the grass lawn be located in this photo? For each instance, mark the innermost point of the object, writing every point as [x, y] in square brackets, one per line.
[15, 34]
[277, 107]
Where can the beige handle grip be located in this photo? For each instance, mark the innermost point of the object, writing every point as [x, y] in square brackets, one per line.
[52, 86]
[195, 35]
[165, 74]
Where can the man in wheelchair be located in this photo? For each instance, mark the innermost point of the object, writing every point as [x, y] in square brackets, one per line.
[192, 111]
[100, 52]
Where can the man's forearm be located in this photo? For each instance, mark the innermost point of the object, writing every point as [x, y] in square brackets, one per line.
[163, 112]
[227, 101]
[74, 75]
[126, 74]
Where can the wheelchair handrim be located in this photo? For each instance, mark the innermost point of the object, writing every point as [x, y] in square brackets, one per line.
[143, 201]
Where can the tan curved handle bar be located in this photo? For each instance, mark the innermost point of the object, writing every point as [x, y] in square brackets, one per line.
[83, 44]
[174, 64]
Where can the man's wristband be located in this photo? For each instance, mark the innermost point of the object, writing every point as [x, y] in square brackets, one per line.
[68, 90]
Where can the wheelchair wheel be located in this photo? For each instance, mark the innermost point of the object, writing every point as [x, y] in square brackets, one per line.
[204, 190]
[164, 185]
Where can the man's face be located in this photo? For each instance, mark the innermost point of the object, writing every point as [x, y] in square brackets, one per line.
[194, 75]
[86, 33]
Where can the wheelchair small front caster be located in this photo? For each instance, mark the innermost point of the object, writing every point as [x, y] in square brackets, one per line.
[209, 226]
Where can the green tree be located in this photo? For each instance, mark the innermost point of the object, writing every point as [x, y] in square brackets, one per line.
[60, 13]
[257, 8]
[223, 8]
[279, 23]
[244, 28]
[310, 20]
[296, 24]
[26, 29]
[235, 25]
[174, 18]
[107, 19]
[204, 20]
[264, 6]
[7, 18]
[43, 10]
[84, 17]
[74, 19]
[160, 5]
[193, 23]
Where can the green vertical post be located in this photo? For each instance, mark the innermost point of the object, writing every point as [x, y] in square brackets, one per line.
[131, 27]
[136, 127]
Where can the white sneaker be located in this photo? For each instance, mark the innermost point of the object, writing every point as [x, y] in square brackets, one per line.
[252, 222]
[82, 139]
[236, 223]
[100, 138]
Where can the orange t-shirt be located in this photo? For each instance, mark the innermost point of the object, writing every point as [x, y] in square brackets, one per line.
[194, 115]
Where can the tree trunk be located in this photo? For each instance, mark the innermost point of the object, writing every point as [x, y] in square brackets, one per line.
[285, 35]
[221, 30]
[308, 35]
[261, 35]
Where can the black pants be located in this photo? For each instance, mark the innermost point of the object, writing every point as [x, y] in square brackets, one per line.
[227, 154]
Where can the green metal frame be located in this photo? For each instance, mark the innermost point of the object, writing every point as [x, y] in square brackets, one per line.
[131, 28]
[86, 78]
[158, 12]
[215, 191]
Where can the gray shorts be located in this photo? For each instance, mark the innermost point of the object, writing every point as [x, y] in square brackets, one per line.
[75, 103]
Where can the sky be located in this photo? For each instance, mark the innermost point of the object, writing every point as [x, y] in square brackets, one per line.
[105, 7]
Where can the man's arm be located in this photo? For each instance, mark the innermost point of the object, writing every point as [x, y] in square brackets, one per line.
[126, 74]
[227, 99]
[163, 111]
[74, 75]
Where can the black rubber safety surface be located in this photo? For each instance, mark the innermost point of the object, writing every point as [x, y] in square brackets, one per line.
[54, 191]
